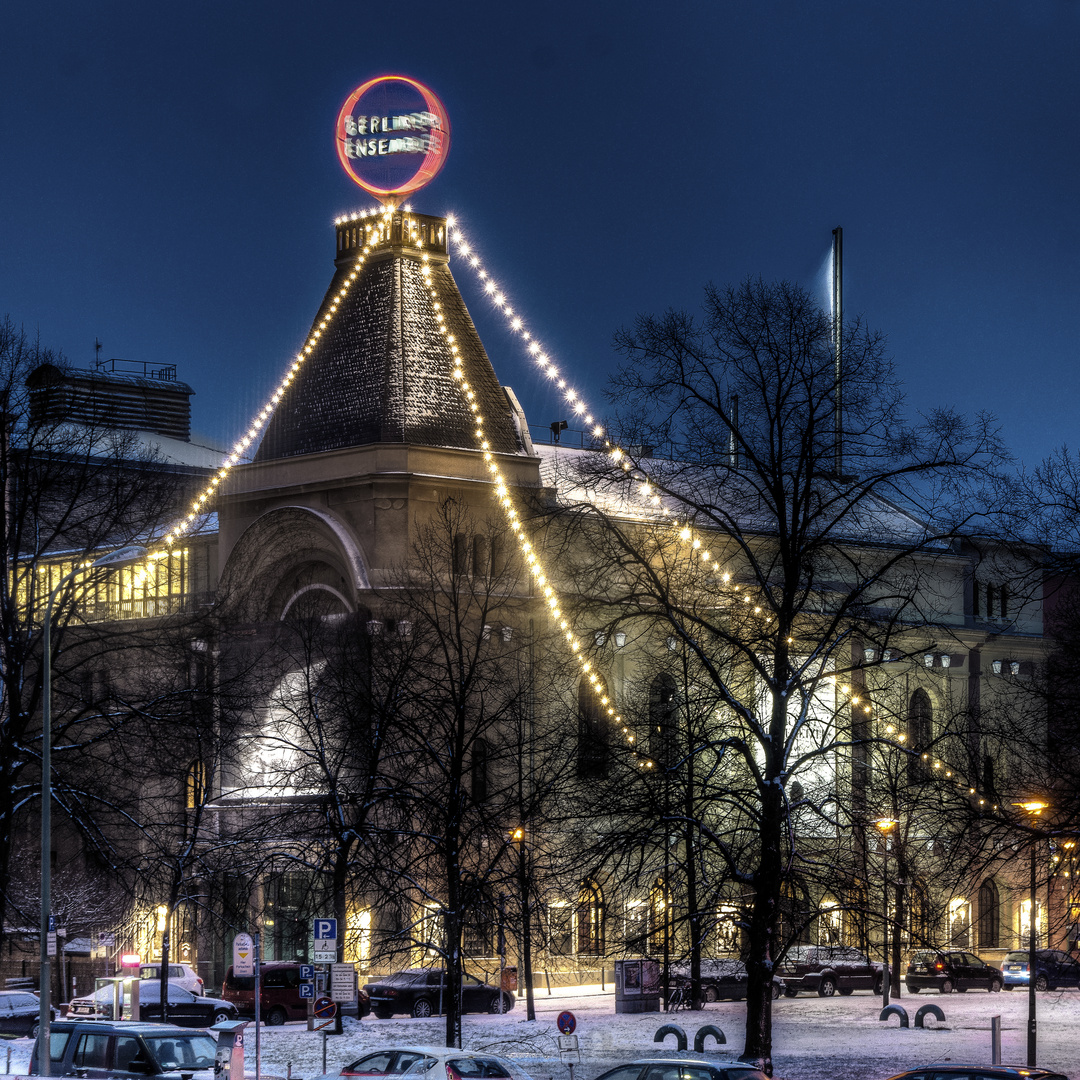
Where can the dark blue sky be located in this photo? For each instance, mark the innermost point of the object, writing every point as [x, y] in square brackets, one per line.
[169, 181]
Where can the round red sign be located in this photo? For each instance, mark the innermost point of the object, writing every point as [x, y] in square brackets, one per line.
[392, 136]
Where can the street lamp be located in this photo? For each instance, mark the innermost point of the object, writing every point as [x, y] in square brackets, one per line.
[1033, 808]
[518, 836]
[123, 557]
[884, 826]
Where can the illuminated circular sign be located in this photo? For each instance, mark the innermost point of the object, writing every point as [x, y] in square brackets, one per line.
[392, 136]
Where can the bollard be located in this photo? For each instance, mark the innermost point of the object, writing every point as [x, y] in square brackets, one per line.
[661, 1034]
[928, 1010]
[704, 1033]
[895, 1010]
[995, 1040]
[324, 1053]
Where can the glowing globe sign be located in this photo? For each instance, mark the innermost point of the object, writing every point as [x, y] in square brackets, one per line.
[392, 136]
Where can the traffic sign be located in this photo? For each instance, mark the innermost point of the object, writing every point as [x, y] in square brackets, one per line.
[243, 951]
[307, 972]
[325, 1009]
[566, 1022]
[325, 930]
[307, 990]
[328, 957]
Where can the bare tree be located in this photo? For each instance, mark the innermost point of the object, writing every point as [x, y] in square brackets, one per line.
[771, 550]
[70, 491]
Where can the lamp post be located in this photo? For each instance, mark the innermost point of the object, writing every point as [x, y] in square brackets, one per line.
[884, 825]
[123, 557]
[518, 835]
[1033, 808]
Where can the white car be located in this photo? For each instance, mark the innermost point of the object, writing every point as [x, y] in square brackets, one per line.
[179, 974]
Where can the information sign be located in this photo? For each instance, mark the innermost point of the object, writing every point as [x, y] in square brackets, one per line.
[343, 982]
[243, 956]
[307, 990]
[307, 972]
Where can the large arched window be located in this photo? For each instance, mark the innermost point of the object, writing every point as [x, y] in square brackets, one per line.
[663, 741]
[659, 915]
[594, 733]
[989, 915]
[920, 732]
[590, 920]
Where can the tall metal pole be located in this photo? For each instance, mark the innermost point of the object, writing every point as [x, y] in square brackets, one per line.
[1031, 1025]
[886, 977]
[45, 969]
[838, 348]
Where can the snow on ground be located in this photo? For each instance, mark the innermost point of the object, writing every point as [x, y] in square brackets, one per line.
[813, 1038]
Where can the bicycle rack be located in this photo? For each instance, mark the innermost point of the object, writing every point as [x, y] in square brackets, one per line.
[896, 1010]
[704, 1033]
[671, 1029]
[928, 1010]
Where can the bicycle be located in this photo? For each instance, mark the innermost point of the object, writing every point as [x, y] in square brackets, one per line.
[678, 998]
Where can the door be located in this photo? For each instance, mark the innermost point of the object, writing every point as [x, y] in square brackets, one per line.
[957, 971]
[91, 1055]
[474, 995]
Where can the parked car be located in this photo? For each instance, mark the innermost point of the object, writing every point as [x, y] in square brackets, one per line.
[280, 997]
[126, 1050]
[1053, 969]
[946, 970]
[421, 992]
[185, 1008]
[181, 974]
[682, 1069]
[955, 1071]
[828, 970]
[20, 1011]
[436, 1062]
[722, 979]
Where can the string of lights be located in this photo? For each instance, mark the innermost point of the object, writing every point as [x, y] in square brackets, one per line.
[377, 221]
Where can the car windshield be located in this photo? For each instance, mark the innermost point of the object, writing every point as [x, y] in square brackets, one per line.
[478, 1067]
[924, 958]
[1017, 957]
[182, 1051]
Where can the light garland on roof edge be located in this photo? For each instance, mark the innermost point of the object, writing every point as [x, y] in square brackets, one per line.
[200, 505]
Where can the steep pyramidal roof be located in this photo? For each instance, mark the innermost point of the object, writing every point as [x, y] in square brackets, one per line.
[380, 371]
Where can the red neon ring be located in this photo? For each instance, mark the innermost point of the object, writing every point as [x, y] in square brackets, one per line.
[433, 159]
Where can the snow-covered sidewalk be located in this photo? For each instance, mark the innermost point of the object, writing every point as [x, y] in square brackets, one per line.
[813, 1038]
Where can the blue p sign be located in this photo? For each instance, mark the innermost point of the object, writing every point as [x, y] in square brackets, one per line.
[325, 930]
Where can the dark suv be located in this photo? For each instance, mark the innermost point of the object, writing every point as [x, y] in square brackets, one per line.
[828, 970]
[125, 1050]
[946, 970]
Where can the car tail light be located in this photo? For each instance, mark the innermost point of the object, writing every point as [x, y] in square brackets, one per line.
[452, 1073]
[939, 966]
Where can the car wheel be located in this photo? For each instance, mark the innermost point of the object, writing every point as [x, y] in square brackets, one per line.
[1042, 984]
[498, 1004]
[946, 986]
[791, 992]
[775, 991]
[878, 985]
[276, 1017]
[221, 1016]
[710, 993]
[421, 1008]
[827, 987]
[383, 1013]
[33, 1030]
[913, 989]
[847, 991]
[1008, 986]
[961, 989]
